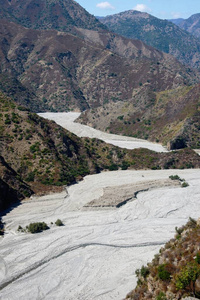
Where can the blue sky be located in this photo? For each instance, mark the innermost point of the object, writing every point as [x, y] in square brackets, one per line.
[164, 9]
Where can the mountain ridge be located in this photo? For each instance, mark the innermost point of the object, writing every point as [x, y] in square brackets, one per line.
[192, 25]
[48, 14]
[161, 34]
[79, 72]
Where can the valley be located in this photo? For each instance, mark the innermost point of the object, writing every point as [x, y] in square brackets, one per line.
[95, 254]
[66, 120]
[99, 154]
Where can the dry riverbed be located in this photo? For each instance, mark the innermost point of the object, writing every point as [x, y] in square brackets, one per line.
[95, 254]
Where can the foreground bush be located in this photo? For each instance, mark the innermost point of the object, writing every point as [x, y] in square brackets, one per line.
[37, 227]
[59, 223]
[174, 273]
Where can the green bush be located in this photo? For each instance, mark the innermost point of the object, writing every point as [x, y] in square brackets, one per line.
[125, 165]
[187, 276]
[59, 223]
[37, 227]
[184, 184]
[113, 167]
[30, 177]
[163, 273]
[144, 272]
[175, 177]
[197, 258]
[161, 296]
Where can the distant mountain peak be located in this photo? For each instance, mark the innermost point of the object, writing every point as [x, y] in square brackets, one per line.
[192, 25]
[158, 33]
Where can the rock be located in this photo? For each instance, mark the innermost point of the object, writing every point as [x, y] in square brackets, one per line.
[197, 285]
[189, 298]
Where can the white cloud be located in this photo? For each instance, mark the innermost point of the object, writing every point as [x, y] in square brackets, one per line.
[105, 5]
[142, 7]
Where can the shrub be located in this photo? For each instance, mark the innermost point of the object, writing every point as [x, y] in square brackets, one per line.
[197, 258]
[144, 272]
[30, 177]
[163, 273]
[184, 184]
[192, 223]
[175, 177]
[37, 227]
[125, 165]
[59, 223]
[161, 296]
[19, 228]
[187, 276]
[113, 167]
[179, 230]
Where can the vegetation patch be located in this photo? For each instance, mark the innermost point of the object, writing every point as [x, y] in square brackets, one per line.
[34, 227]
[174, 273]
[59, 222]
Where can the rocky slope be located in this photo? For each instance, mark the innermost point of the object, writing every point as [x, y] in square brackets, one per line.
[157, 33]
[64, 72]
[174, 273]
[171, 117]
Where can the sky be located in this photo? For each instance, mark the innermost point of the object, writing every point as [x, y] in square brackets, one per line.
[163, 9]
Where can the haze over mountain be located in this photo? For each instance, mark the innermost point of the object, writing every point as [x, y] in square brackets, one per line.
[157, 33]
[176, 21]
[192, 25]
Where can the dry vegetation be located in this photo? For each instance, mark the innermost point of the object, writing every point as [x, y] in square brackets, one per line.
[171, 117]
[175, 271]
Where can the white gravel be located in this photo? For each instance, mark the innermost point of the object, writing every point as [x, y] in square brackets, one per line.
[96, 253]
[66, 120]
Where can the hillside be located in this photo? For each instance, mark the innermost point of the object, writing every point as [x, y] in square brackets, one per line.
[174, 273]
[192, 25]
[171, 117]
[38, 155]
[79, 73]
[160, 34]
[48, 14]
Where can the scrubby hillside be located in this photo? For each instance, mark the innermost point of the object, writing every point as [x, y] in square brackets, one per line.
[161, 34]
[174, 273]
[62, 15]
[171, 117]
[62, 71]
